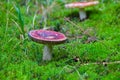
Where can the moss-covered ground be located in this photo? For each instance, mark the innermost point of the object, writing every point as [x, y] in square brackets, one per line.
[92, 51]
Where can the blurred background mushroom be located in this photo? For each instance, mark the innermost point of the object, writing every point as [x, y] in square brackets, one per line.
[81, 5]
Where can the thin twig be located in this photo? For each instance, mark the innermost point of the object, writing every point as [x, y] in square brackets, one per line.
[114, 62]
[94, 63]
[74, 24]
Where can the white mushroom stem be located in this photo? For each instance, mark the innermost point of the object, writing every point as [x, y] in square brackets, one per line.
[82, 14]
[47, 52]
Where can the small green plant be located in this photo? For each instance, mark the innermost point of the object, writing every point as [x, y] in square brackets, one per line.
[21, 21]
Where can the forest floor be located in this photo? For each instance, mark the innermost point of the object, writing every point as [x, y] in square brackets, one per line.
[92, 51]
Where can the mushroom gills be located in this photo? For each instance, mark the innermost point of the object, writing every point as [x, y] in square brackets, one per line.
[82, 14]
[47, 52]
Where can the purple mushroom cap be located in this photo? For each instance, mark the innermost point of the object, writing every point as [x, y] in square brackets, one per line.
[47, 37]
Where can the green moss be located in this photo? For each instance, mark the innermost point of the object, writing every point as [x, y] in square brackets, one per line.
[22, 59]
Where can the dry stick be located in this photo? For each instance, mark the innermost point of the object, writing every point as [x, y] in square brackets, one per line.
[73, 24]
[115, 62]
[95, 63]
[75, 68]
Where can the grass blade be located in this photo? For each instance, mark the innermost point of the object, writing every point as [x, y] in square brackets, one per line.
[20, 18]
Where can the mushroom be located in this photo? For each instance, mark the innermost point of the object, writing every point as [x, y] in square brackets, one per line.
[81, 6]
[48, 38]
